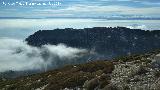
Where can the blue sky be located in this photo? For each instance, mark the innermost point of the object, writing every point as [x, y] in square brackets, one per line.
[81, 8]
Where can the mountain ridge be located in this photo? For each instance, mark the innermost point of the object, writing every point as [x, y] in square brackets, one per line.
[106, 41]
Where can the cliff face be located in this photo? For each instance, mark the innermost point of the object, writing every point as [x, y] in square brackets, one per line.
[110, 42]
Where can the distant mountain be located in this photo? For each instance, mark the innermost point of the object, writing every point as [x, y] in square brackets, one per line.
[14, 74]
[107, 42]
[19, 18]
[99, 17]
[11, 17]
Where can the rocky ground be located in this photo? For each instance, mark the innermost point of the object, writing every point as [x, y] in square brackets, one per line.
[136, 72]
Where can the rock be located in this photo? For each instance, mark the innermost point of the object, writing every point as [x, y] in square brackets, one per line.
[110, 87]
[91, 84]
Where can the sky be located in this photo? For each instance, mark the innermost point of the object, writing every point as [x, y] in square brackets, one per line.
[79, 8]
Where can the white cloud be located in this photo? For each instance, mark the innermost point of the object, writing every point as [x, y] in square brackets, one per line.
[87, 7]
[102, 10]
[18, 56]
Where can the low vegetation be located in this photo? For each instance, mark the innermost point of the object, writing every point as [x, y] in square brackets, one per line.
[67, 77]
[123, 73]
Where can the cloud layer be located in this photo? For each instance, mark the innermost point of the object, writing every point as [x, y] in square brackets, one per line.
[79, 8]
[16, 55]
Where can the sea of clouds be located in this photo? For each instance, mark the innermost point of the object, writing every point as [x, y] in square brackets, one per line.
[16, 55]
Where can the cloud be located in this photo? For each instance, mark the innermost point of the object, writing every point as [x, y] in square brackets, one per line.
[80, 10]
[137, 26]
[155, 1]
[134, 0]
[16, 55]
[87, 8]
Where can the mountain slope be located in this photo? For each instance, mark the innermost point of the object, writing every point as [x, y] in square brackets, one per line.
[108, 42]
[124, 73]
[69, 76]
